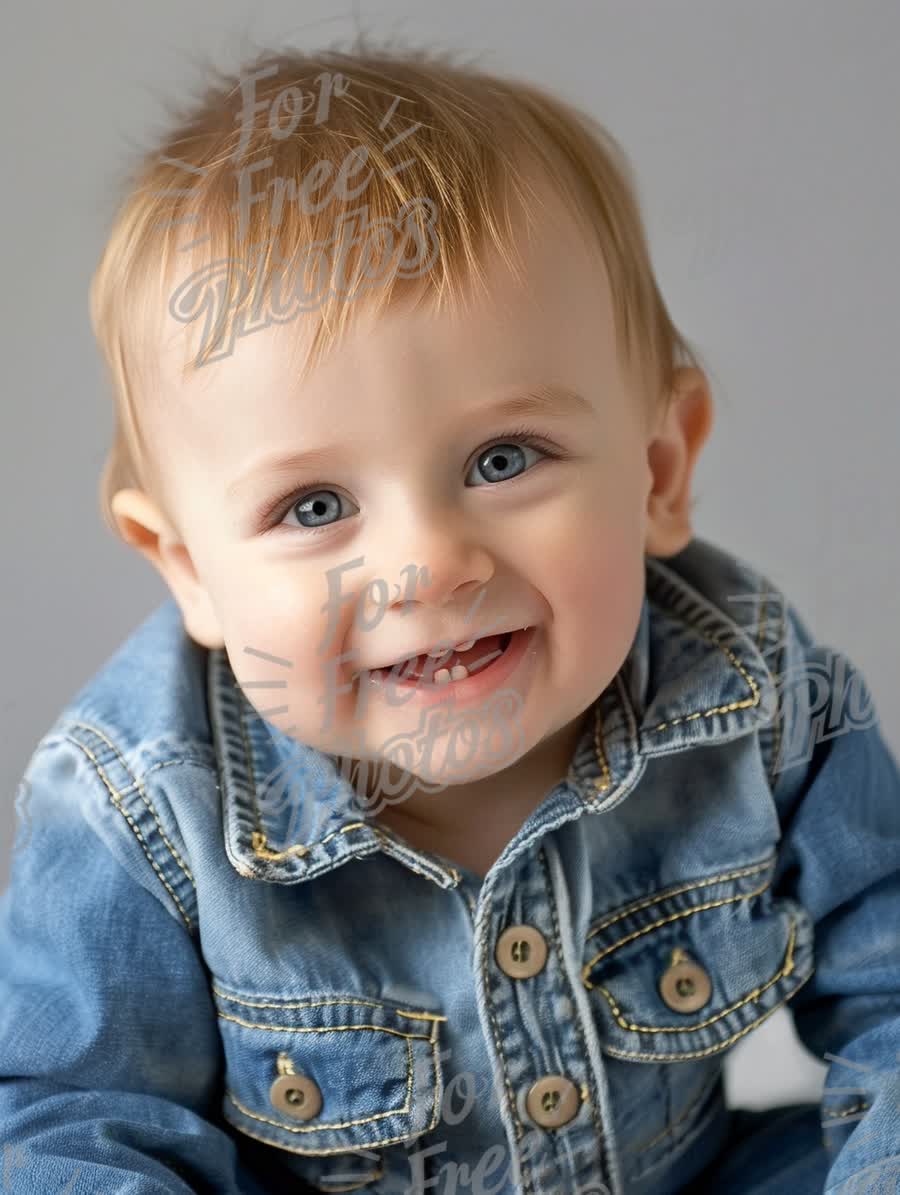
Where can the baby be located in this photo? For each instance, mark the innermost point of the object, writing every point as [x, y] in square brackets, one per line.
[461, 808]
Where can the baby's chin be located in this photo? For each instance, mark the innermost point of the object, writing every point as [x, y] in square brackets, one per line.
[381, 780]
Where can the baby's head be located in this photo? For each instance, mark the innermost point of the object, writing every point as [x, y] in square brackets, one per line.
[392, 372]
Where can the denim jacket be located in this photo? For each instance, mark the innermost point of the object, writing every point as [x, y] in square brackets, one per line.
[218, 975]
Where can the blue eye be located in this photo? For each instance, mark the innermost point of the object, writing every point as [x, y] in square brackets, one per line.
[503, 456]
[319, 507]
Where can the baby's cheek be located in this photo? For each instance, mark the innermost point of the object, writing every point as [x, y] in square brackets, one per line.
[596, 599]
[599, 574]
[279, 645]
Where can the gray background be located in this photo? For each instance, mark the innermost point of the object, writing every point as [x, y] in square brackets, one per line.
[764, 137]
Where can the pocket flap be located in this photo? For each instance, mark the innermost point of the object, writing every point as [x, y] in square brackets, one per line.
[687, 972]
[330, 1074]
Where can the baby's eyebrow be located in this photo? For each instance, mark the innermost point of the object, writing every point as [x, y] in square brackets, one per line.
[551, 398]
[548, 400]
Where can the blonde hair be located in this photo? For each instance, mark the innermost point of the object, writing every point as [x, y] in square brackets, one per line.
[473, 135]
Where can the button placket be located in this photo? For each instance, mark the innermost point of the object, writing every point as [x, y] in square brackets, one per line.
[521, 953]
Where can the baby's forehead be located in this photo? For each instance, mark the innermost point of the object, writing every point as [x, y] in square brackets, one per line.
[540, 260]
[558, 286]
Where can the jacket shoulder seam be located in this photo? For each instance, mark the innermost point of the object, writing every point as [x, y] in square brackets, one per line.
[118, 795]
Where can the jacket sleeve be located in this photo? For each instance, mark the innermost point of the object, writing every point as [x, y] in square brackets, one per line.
[110, 1062]
[836, 786]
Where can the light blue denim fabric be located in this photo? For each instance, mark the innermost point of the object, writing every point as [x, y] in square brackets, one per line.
[202, 928]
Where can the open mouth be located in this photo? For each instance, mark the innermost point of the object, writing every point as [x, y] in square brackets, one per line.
[454, 665]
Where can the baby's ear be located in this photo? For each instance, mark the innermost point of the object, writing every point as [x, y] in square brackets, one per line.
[672, 454]
[143, 526]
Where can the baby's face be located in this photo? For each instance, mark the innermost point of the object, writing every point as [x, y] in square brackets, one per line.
[389, 504]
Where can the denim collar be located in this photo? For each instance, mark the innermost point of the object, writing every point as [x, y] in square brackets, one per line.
[694, 676]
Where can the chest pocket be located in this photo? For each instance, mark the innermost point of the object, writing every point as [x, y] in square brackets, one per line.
[685, 973]
[674, 980]
[333, 1080]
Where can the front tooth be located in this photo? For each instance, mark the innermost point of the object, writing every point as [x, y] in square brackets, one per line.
[466, 646]
[457, 672]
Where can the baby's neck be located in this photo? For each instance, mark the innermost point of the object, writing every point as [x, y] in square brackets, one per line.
[472, 839]
[470, 824]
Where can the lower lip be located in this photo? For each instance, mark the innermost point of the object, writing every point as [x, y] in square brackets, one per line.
[470, 689]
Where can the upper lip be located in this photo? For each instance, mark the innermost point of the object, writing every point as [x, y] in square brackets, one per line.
[442, 647]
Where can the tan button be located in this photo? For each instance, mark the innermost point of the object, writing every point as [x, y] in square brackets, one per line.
[685, 986]
[552, 1101]
[521, 951]
[296, 1096]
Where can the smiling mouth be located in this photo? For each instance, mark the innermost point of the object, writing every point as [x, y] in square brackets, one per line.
[431, 672]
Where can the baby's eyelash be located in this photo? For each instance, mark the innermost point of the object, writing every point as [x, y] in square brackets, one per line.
[273, 510]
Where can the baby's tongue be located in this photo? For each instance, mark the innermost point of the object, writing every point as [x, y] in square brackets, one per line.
[490, 645]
